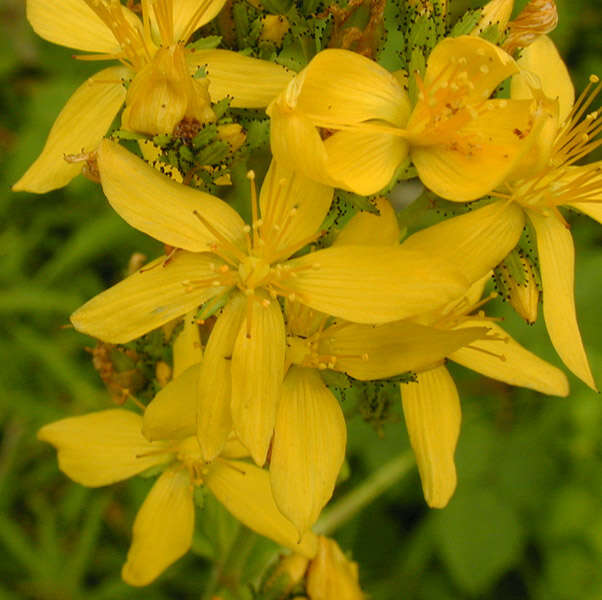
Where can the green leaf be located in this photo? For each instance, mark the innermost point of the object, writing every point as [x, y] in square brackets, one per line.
[258, 134]
[206, 43]
[479, 537]
[466, 24]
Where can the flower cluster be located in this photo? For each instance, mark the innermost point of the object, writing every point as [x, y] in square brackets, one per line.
[275, 301]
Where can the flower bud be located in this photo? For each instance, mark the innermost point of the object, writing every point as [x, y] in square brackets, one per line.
[288, 573]
[274, 28]
[495, 12]
[163, 93]
[426, 8]
[233, 134]
[162, 373]
[537, 18]
[332, 575]
[518, 282]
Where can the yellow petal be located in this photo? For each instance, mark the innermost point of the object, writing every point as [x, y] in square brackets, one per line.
[489, 146]
[162, 530]
[557, 265]
[332, 575]
[160, 207]
[340, 87]
[71, 23]
[250, 82]
[370, 229]
[591, 209]
[186, 17]
[187, 349]
[542, 58]
[476, 241]
[234, 448]
[308, 448]
[151, 297]
[257, 372]
[364, 162]
[102, 447]
[431, 408]
[373, 284]
[380, 351]
[485, 65]
[296, 145]
[78, 129]
[214, 420]
[292, 210]
[506, 360]
[171, 415]
[245, 491]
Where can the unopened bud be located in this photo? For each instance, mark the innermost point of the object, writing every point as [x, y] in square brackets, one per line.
[518, 282]
[537, 18]
[163, 93]
[273, 28]
[162, 373]
[332, 575]
[233, 134]
[495, 12]
[426, 8]
[288, 573]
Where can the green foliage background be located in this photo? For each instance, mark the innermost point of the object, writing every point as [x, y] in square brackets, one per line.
[526, 521]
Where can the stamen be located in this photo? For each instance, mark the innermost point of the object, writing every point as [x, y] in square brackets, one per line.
[254, 206]
[237, 252]
[502, 357]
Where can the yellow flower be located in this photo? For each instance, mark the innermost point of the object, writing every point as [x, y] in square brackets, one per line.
[220, 257]
[431, 405]
[478, 240]
[346, 121]
[546, 178]
[309, 432]
[151, 52]
[309, 435]
[108, 446]
[332, 575]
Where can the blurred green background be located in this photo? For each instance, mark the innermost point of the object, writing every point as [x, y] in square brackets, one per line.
[526, 521]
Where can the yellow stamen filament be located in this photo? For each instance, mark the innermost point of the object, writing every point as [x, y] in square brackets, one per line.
[226, 243]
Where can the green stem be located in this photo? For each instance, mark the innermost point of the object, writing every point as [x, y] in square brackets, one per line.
[348, 506]
[227, 571]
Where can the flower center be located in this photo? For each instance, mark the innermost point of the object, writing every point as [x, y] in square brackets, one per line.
[305, 352]
[189, 454]
[253, 272]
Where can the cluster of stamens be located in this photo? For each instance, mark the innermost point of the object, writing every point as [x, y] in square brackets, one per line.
[443, 108]
[255, 267]
[136, 43]
[464, 311]
[577, 137]
[308, 351]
